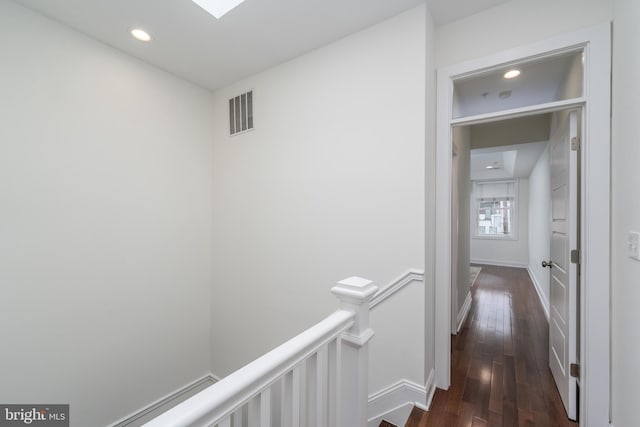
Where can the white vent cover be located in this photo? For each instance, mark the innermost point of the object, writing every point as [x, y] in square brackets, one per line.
[241, 113]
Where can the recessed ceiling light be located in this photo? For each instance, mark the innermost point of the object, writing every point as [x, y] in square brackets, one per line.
[217, 8]
[141, 35]
[512, 74]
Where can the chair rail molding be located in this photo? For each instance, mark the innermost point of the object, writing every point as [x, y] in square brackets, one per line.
[410, 276]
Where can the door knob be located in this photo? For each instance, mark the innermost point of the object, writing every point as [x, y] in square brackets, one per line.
[547, 264]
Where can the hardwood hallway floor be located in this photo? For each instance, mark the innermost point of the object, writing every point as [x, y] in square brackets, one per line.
[499, 362]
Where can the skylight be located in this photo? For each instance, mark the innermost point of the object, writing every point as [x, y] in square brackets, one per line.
[217, 8]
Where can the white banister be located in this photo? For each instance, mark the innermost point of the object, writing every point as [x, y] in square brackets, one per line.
[317, 378]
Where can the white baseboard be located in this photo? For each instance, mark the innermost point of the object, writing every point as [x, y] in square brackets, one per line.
[430, 386]
[164, 404]
[464, 311]
[395, 403]
[541, 296]
[499, 263]
[397, 416]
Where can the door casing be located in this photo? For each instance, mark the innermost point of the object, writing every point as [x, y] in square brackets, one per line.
[595, 205]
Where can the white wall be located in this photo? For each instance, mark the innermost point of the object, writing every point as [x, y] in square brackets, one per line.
[506, 252]
[625, 213]
[330, 184]
[397, 350]
[105, 201]
[515, 23]
[540, 224]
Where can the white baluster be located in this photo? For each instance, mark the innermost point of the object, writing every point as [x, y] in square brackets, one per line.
[286, 400]
[225, 423]
[354, 294]
[304, 385]
[237, 418]
[265, 408]
[321, 389]
[295, 396]
[253, 412]
[311, 391]
[333, 383]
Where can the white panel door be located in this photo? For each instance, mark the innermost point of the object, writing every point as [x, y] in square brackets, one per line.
[564, 274]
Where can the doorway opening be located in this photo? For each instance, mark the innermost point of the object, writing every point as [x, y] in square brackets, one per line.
[511, 219]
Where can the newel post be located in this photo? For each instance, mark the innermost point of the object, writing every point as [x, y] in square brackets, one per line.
[354, 294]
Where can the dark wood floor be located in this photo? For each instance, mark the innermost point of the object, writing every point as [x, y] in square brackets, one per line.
[499, 362]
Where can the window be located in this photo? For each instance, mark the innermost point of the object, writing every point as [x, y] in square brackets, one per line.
[495, 209]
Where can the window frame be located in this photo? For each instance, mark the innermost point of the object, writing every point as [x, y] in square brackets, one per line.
[475, 203]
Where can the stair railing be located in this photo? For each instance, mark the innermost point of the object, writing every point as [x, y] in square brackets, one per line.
[316, 379]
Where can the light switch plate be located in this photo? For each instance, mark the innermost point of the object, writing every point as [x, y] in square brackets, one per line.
[634, 245]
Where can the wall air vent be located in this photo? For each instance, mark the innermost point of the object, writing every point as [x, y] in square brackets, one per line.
[241, 113]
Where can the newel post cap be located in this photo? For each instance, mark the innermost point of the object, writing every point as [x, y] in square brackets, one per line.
[355, 290]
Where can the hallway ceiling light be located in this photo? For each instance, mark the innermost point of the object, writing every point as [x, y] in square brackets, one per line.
[141, 35]
[512, 74]
[217, 8]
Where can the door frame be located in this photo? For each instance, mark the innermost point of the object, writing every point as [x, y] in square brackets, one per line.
[595, 205]
[455, 247]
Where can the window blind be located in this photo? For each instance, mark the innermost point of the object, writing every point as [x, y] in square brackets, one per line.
[492, 190]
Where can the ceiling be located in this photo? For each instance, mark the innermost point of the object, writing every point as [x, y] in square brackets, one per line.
[513, 161]
[211, 52]
[446, 11]
[256, 35]
[511, 147]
